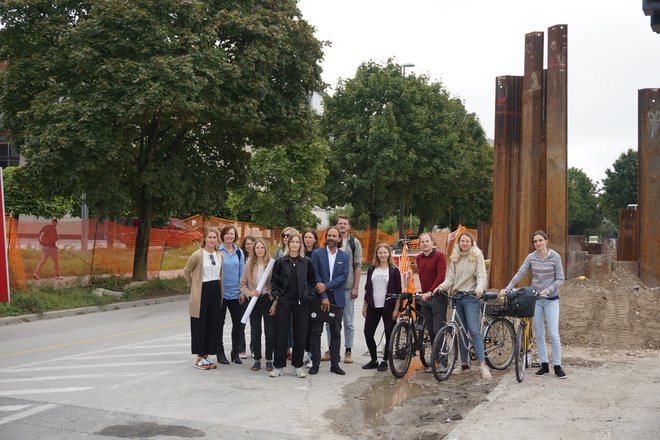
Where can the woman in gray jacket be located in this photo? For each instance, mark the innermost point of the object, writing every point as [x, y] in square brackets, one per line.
[547, 276]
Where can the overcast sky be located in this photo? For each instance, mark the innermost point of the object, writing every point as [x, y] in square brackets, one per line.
[612, 52]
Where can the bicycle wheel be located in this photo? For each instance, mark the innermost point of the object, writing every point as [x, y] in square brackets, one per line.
[400, 350]
[445, 352]
[521, 353]
[425, 347]
[499, 343]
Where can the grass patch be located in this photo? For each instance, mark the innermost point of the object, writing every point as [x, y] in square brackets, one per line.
[39, 299]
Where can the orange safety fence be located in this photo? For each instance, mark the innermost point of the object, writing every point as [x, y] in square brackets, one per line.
[96, 247]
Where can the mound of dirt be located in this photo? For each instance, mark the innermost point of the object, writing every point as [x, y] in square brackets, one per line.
[616, 312]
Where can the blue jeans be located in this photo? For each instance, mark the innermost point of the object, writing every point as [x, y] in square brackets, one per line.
[468, 308]
[549, 309]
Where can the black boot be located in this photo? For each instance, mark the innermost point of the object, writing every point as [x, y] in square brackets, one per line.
[543, 370]
[222, 359]
[235, 358]
[560, 372]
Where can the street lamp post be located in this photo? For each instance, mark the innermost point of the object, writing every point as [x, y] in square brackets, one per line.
[402, 208]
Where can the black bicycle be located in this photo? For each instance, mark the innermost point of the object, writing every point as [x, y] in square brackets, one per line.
[408, 336]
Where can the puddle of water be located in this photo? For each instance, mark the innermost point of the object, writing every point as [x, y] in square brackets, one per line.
[145, 430]
[381, 397]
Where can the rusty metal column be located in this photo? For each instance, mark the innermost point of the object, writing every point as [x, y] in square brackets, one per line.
[649, 186]
[505, 179]
[531, 145]
[556, 165]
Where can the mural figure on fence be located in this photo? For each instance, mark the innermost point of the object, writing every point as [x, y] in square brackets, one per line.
[48, 240]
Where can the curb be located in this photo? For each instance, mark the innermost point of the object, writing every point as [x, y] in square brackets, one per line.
[92, 309]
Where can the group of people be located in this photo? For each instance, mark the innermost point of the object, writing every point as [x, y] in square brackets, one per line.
[304, 276]
[311, 288]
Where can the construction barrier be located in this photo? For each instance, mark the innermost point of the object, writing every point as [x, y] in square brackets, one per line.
[95, 247]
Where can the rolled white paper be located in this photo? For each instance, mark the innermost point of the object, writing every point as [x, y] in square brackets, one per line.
[260, 287]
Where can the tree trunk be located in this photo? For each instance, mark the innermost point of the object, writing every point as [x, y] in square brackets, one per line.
[373, 236]
[422, 224]
[142, 240]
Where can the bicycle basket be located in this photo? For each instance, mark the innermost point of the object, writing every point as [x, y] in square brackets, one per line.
[496, 307]
[522, 304]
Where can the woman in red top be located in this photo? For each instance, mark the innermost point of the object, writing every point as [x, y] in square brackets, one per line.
[432, 265]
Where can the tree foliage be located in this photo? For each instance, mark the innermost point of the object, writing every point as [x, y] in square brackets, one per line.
[148, 106]
[19, 199]
[620, 185]
[284, 184]
[399, 139]
[583, 210]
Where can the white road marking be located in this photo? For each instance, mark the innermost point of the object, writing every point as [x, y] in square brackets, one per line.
[13, 407]
[74, 376]
[93, 366]
[143, 354]
[43, 391]
[27, 413]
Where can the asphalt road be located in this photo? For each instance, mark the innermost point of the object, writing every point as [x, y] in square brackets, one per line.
[129, 373]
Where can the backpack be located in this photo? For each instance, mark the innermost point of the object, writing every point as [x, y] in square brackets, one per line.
[351, 243]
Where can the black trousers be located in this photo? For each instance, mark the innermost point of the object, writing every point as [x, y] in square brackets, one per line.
[260, 314]
[435, 313]
[235, 310]
[290, 313]
[204, 330]
[371, 321]
[335, 339]
[242, 345]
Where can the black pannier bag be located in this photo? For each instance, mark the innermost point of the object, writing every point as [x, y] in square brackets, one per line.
[521, 304]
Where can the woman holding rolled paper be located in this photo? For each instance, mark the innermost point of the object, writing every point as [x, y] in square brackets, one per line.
[255, 269]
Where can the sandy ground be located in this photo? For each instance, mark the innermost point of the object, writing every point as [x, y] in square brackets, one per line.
[610, 330]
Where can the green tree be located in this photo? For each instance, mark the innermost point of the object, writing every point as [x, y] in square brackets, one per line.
[147, 106]
[19, 199]
[284, 184]
[404, 140]
[620, 185]
[583, 210]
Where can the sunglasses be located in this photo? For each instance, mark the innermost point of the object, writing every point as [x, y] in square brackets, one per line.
[285, 235]
[212, 259]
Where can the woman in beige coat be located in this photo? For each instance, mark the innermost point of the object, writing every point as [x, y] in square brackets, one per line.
[203, 273]
[467, 274]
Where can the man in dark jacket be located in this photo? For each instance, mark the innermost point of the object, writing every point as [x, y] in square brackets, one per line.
[331, 268]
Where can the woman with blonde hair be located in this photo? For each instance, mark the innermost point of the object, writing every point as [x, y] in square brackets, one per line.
[291, 284]
[383, 278]
[286, 232]
[466, 274]
[254, 270]
[203, 274]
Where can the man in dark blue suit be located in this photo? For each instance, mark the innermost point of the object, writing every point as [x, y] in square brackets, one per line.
[331, 267]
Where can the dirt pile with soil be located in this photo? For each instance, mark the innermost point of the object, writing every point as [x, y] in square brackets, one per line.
[609, 317]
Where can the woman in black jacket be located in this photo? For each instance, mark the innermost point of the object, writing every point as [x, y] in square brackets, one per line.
[292, 280]
[383, 278]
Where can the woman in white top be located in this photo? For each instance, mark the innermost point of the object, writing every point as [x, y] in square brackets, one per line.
[254, 270]
[203, 273]
[383, 277]
[467, 273]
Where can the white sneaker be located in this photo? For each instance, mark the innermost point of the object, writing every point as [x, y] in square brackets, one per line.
[299, 372]
[485, 372]
[277, 372]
